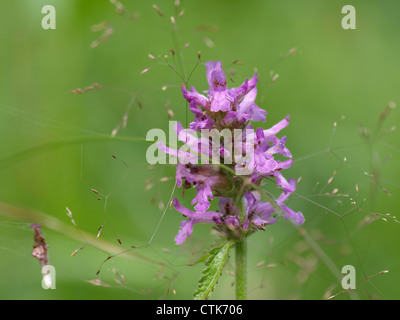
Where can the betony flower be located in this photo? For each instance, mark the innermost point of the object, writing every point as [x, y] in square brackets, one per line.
[258, 213]
[230, 108]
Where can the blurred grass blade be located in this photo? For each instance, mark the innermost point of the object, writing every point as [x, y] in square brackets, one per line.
[45, 220]
[30, 152]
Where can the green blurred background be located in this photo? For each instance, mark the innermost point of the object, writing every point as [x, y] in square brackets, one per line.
[332, 73]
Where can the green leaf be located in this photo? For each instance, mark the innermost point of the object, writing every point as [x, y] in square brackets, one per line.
[212, 272]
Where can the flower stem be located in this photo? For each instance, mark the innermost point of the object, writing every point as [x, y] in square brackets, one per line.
[241, 268]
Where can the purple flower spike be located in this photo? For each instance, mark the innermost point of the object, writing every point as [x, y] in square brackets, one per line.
[260, 154]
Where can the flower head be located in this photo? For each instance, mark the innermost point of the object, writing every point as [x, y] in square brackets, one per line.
[260, 152]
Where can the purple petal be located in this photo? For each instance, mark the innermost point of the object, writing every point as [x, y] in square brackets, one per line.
[281, 181]
[264, 209]
[289, 214]
[257, 113]
[215, 76]
[248, 101]
[219, 102]
[238, 93]
[257, 212]
[178, 128]
[227, 207]
[201, 119]
[232, 221]
[279, 147]
[245, 225]
[194, 96]
[162, 147]
[203, 193]
[261, 222]
[185, 232]
[285, 164]
[194, 217]
[271, 132]
[236, 118]
[182, 172]
[186, 212]
[253, 81]
[251, 200]
[263, 164]
[203, 217]
[260, 137]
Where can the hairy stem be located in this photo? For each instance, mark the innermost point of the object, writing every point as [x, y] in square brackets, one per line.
[241, 268]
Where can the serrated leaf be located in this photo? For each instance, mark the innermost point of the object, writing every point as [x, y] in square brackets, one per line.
[205, 256]
[212, 272]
